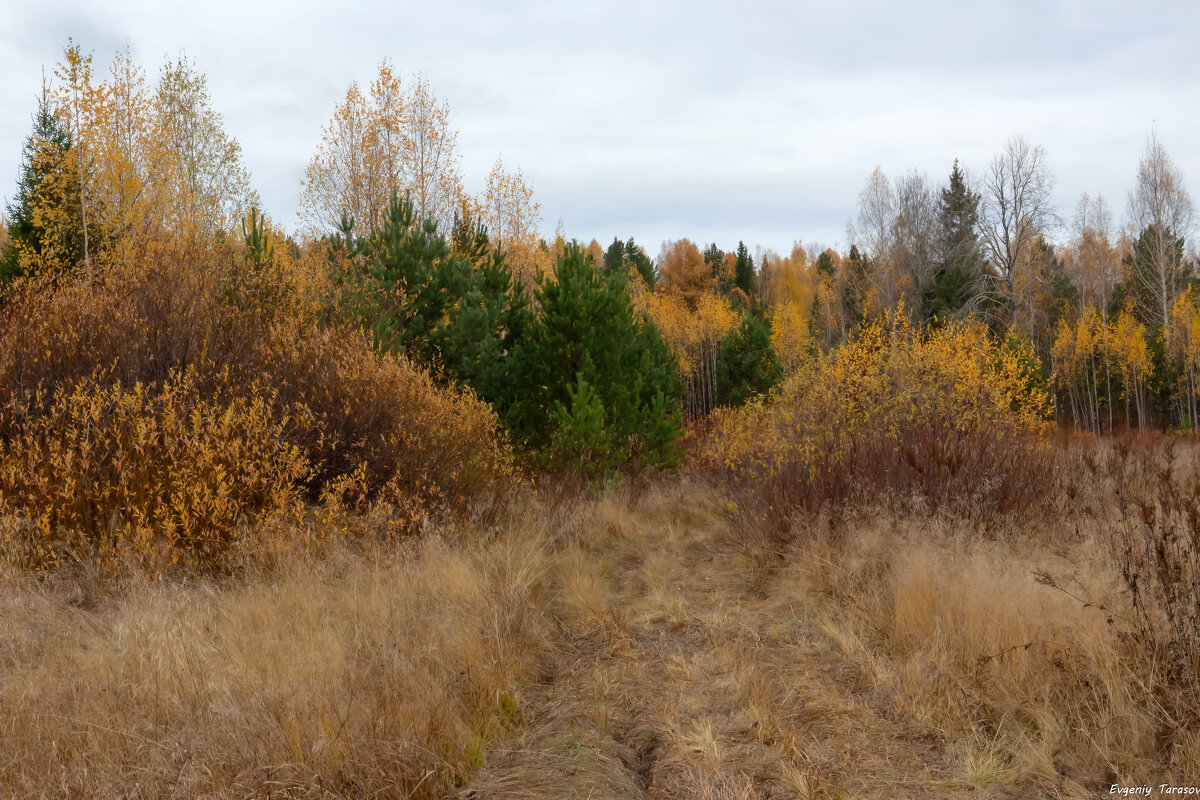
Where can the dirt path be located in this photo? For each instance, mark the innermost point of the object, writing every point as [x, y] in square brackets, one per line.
[688, 670]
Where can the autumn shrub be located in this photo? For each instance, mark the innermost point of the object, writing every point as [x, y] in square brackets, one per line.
[279, 409]
[947, 418]
[150, 473]
[173, 307]
[383, 420]
[1151, 484]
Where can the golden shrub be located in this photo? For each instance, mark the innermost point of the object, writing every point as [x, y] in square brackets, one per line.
[385, 418]
[144, 387]
[940, 414]
[153, 474]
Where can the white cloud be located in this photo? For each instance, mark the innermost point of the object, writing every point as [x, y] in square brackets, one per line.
[668, 120]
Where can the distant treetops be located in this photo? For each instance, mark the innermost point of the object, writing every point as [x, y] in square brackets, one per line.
[594, 357]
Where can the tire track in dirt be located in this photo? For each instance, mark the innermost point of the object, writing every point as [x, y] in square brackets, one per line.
[687, 668]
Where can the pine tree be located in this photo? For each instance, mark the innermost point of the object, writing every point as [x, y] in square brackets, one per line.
[476, 342]
[454, 306]
[747, 365]
[589, 335]
[582, 442]
[825, 265]
[408, 283]
[1053, 296]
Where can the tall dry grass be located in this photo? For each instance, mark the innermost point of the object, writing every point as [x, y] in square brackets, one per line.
[1045, 652]
[1031, 599]
[373, 674]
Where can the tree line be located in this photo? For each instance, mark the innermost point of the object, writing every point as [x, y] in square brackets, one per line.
[595, 357]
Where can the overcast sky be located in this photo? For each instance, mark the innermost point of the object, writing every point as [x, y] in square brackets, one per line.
[718, 122]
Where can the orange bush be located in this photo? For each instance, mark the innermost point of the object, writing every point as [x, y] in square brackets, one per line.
[156, 474]
[949, 417]
[383, 418]
[126, 382]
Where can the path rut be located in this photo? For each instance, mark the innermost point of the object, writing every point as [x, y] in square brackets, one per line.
[691, 666]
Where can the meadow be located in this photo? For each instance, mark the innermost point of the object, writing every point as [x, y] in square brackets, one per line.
[654, 639]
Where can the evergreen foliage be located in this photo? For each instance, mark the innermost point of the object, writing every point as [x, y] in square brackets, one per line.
[961, 276]
[856, 286]
[747, 365]
[722, 278]
[594, 375]
[46, 189]
[629, 255]
[453, 306]
[1138, 290]
[636, 255]
[744, 271]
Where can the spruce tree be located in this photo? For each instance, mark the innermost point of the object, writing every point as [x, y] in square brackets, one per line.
[744, 271]
[628, 255]
[961, 275]
[614, 256]
[825, 265]
[45, 183]
[714, 257]
[1140, 287]
[643, 263]
[855, 287]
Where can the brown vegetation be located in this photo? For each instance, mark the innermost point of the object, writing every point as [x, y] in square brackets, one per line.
[648, 644]
[169, 407]
[944, 419]
[375, 674]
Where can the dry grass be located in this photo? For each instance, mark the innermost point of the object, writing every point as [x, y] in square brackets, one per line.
[1027, 687]
[386, 675]
[642, 643]
[1023, 645]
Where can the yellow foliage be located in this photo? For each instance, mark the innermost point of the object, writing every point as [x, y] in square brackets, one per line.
[788, 279]
[175, 445]
[512, 218]
[1185, 350]
[1097, 360]
[683, 272]
[387, 140]
[146, 165]
[152, 474]
[790, 334]
[889, 383]
[694, 331]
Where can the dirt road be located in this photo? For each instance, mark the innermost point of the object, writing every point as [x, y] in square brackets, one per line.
[691, 666]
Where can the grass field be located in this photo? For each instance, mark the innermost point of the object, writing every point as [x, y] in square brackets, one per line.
[646, 641]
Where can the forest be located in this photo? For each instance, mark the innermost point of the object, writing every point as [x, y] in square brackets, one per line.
[409, 498]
